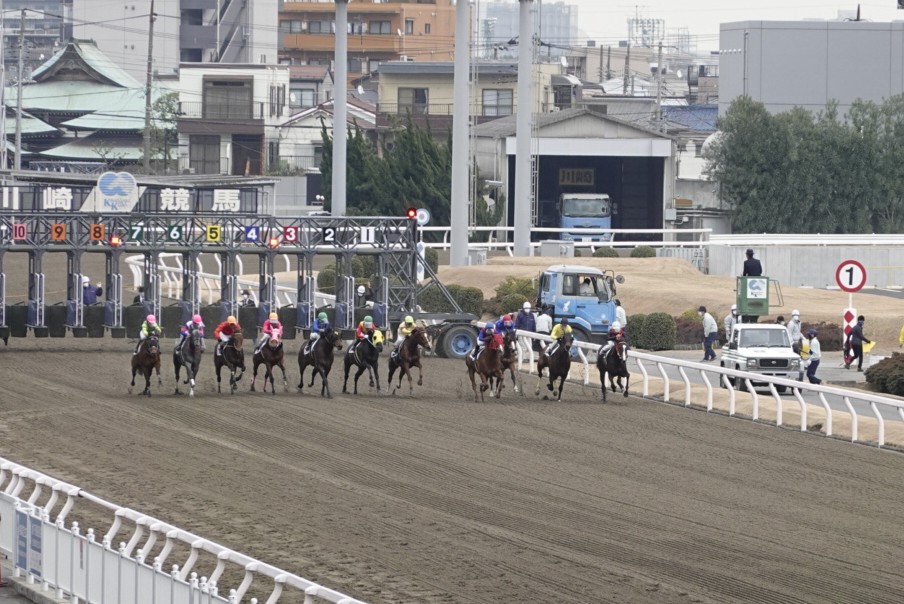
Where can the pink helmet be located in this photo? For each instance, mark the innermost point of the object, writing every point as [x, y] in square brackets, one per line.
[196, 319]
[151, 319]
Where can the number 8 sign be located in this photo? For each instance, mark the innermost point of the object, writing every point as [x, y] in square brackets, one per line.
[850, 276]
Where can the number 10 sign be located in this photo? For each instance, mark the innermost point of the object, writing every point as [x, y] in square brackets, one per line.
[850, 276]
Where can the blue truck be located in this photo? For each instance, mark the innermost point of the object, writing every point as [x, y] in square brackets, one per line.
[583, 294]
[585, 211]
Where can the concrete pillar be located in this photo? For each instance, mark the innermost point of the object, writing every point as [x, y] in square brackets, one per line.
[340, 111]
[460, 147]
[523, 131]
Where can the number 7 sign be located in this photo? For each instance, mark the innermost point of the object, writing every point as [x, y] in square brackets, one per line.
[850, 276]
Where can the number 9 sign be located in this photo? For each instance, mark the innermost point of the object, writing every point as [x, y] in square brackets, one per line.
[850, 276]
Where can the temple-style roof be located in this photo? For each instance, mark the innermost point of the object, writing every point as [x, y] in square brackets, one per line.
[81, 60]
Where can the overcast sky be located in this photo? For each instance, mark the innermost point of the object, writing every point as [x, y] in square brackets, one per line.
[606, 20]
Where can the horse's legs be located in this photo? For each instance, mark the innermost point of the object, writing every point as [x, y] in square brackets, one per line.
[392, 368]
[540, 367]
[285, 382]
[348, 365]
[219, 368]
[500, 383]
[269, 374]
[301, 368]
[561, 385]
[471, 372]
[134, 371]
[257, 364]
[361, 370]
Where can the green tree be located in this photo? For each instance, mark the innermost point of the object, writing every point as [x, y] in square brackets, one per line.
[163, 132]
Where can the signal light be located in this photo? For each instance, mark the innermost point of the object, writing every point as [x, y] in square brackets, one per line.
[115, 240]
[273, 242]
[411, 213]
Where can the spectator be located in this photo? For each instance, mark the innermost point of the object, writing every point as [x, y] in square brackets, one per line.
[730, 321]
[544, 326]
[815, 356]
[752, 266]
[857, 341]
[138, 300]
[586, 288]
[794, 331]
[780, 320]
[525, 321]
[620, 314]
[246, 300]
[90, 293]
[710, 334]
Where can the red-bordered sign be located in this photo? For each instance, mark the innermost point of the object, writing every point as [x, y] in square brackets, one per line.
[850, 276]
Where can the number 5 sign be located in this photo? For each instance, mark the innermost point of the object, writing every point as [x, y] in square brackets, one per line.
[850, 276]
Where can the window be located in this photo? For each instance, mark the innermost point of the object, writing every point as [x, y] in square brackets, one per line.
[320, 27]
[301, 98]
[227, 99]
[497, 102]
[356, 65]
[204, 154]
[413, 100]
[292, 27]
[426, 28]
[380, 27]
[409, 26]
[277, 100]
[357, 28]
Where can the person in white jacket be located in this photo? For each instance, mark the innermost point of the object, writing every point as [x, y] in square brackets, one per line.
[543, 326]
[710, 334]
[730, 321]
[794, 331]
[815, 357]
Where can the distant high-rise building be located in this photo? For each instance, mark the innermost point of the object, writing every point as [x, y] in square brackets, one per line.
[556, 24]
[46, 29]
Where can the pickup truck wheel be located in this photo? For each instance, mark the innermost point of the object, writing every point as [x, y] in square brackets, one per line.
[781, 389]
[722, 378]
[458, 342]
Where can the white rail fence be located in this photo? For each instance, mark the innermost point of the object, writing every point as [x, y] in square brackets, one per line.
[712, 376]
[60, 559]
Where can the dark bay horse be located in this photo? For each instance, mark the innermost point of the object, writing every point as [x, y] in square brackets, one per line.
[189, 355]
[488, 366]
[271, 355]
[407, 356]
[366, 356]
[147, 360]
[233, 358]
[559, 364]
[510, 356]
[320, 358]
[614, 365]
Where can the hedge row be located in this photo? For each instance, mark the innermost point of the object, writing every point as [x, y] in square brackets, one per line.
[470, 299]
[655, 331]
[887, 375]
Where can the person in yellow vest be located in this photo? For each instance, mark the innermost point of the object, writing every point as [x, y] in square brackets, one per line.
[804, 356]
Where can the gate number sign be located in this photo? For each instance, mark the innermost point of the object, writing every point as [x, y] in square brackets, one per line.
[850, 276]
[20, 231]
[136, 232]
[98, 232]
[174, 232]
[58, 232]
[214, 232]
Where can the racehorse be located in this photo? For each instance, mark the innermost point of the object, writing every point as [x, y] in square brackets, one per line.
[147, 360]
[559, 364]
[408, 355]
[189, 355]
[366, 355]
[233, 357]
[271, 355]
[614, 365]
[489, 366]
[320, 358]
[509, 356]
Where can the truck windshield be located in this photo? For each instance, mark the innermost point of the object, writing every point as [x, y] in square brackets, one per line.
[583, 206]
[768, 338]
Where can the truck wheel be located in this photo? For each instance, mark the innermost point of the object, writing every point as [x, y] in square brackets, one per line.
[781, 389]
[722, 378]
[458, 341]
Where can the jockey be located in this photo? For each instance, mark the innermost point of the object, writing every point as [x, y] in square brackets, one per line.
[224, 332]
[270, 326]
[405, 330]
[558, 332]
[487, 333]
[505, 324]
[147, 328]
[185, 330]
[320, 326]
[365, 331]
[615, 334]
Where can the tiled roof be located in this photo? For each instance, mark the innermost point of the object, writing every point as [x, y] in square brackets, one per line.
[94, 62]
[98, 148]
[308, 72]
[699, 118]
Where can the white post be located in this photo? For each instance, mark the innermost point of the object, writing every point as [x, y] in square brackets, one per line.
[522, 203]
[460, 147]
[340, 110]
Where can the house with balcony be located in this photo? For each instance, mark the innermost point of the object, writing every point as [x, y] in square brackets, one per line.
[229, 116]
[408, 30]
[309, 86]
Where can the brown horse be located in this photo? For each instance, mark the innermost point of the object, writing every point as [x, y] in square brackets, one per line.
[489, 366]
[408, 355]
[146, 361]
[559, 364]
[320, 358]
[271, 355]
[614, 365]
[233, 358]
[510, 357]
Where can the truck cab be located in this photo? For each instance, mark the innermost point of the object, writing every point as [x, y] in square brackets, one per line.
[763, 348]
[583, 294]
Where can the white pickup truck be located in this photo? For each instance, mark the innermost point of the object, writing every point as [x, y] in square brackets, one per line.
[761, 348]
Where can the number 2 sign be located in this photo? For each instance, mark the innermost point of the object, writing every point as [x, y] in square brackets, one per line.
[850, 276]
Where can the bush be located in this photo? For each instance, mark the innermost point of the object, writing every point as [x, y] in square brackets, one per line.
[605, 252]
[363, 266]
[514, 285]
[470, 299]
[830, 335]
[689, 331]
[634, 330]
[643, 251]
[431, 256]
[887, 376]
[659, 331]
[326, 280]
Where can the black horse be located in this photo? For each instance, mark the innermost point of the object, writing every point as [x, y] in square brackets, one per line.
[407, 356]
[320, 358]
[510, 356]
[189, 354]
[233, 358]
[366, 355]
[270, 354]
[147, 360]
[559, 364]
[614, 365]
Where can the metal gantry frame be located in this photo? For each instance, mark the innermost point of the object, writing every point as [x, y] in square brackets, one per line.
[391, 241]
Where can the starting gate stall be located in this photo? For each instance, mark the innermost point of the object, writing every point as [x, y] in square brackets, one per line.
[223, 222]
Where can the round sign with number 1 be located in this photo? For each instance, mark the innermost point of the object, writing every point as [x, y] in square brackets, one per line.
[850, 276]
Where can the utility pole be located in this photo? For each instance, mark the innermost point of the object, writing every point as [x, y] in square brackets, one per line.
[659, 89]
[147, 93]
[3, 157]
[21, 77]
[627, 69]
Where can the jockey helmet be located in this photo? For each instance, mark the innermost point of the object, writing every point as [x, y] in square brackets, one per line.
[321, 316]
[507, 320]
[526, 306]
[564, 322]
[273, 316]
[151, 319]
[409, 320]
[232, 320]
[197, 319]
[368, 322]
[490, 327]
[616, 326]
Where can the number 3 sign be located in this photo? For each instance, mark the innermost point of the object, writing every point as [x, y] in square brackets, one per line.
[850, 276]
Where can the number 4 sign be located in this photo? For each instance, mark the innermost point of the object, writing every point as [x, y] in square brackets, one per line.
[850, 276]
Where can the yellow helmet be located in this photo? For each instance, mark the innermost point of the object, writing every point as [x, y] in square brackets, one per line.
[409, 320]
[274, 316]
[232, 320]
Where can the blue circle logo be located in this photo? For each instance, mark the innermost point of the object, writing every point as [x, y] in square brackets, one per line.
[116, 184]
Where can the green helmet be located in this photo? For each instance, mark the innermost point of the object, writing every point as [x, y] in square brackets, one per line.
[321, 316]
[368, 319]
[409, 320]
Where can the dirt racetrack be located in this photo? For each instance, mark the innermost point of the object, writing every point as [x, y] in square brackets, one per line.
[436, 498]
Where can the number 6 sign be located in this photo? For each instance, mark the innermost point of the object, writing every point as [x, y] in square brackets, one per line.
[850, 276]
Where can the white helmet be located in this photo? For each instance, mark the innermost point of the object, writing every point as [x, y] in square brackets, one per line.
[795, 313]
[526, 306]
[616, 326]
[734, 307]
